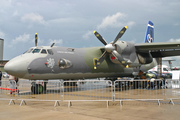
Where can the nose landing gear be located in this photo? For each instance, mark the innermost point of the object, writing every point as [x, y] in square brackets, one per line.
[38, 88]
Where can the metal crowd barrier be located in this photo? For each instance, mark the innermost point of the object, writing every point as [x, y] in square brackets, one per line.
[141, 90]
[58, 91]
[172, 90]
[8, 90]
[52, 92]
[25, 92]
[88, 90]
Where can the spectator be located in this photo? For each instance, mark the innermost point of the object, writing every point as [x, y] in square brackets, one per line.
[13, 84]
[141, 74]
[0, 77]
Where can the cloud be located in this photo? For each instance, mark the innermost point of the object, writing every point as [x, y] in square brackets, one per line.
[40, 41]
[130, 24]
[176, 24]
[133, 40]
[111, 21]
[87, 35]
[21, 38]
[15, 13]
[114, 21]
[2, 34]
[61, 20]
[174, 40]
[33, 18]
[59, 42]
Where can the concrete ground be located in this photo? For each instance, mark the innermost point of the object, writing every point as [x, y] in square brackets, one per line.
[134, 110]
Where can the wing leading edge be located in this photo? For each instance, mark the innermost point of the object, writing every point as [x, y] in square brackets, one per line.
[163, 49]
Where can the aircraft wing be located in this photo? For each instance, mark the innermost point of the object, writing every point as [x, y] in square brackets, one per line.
[163, 49]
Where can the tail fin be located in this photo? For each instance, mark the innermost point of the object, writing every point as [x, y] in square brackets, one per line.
[170, 64]
[149, 38]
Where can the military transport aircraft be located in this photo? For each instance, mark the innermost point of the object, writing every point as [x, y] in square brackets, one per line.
[115, 59]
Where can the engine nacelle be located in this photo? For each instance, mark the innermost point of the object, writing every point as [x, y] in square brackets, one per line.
[129, 63]
[144, 57]
[114, 59]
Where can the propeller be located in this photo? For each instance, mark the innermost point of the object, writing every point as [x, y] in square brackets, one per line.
[110, 48]
[36, 39]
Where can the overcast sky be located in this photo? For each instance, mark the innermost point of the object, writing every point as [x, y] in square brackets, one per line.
[70, 23]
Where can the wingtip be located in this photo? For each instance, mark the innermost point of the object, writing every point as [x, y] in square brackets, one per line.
[94, 31]
[126, 27]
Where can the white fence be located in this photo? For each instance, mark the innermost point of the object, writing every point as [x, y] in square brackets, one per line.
[172, 90]
[143, 90]
[8, 88]
[26, 92]
[89, 90]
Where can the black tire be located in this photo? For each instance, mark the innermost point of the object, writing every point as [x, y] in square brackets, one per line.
[33, 89]
[37, 89]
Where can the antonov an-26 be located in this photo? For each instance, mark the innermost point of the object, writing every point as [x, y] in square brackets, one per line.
[114, 59]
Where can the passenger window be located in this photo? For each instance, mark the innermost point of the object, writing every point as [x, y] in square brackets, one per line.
[43, 51]
[50, 51]
[36, 50]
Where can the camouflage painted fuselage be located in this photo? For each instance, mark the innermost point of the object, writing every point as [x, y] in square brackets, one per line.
[47, 66]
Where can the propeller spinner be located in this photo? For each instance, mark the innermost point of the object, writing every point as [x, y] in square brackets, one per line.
[110, 48]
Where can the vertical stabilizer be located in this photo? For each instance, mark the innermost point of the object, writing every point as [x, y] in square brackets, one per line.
[149, 38]
[170, 64]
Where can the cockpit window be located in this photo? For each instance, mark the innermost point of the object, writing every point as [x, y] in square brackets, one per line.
[43, 51]
[36, 50]
[29, 51]
[165, 69]
[50, 51]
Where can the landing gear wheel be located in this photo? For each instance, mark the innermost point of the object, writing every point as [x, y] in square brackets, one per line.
[37, 89]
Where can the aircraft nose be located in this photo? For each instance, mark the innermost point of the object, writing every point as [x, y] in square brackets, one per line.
[16, 67]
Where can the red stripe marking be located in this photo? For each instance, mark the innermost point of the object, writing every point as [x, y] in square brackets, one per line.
[7, 89]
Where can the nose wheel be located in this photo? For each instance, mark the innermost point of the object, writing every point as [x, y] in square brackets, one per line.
[37, 89]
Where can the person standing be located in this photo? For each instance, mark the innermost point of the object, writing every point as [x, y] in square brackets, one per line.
[0, 77]
[13, 84]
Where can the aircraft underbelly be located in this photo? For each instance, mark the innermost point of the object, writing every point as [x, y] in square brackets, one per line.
[74, 75]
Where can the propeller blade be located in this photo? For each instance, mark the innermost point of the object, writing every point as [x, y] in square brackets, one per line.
[36, 39]
[120, 58]
[100, 38]
[100, 60]
[119, 35]
[52, 45]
